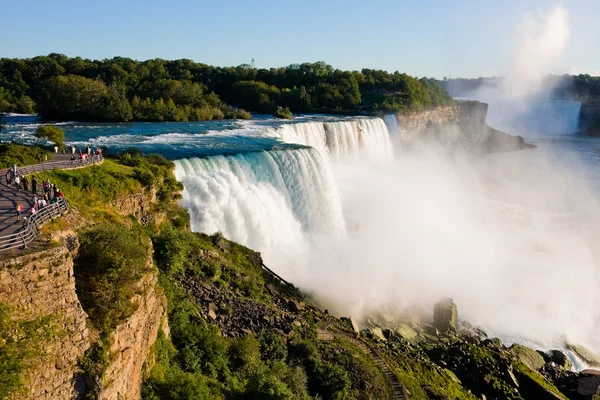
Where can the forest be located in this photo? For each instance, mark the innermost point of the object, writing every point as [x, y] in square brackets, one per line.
[120, 89]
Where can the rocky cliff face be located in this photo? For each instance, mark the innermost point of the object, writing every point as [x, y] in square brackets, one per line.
[133, 341]
[459, 128]
[43, 284]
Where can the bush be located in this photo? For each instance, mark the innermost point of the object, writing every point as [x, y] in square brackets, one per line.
[110, 262]
[52, 133]
[283, 113]
[16, 154]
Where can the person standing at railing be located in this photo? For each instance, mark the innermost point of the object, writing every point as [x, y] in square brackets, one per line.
[41, 204]
[34, 184]
[26, 183]
[33, 210]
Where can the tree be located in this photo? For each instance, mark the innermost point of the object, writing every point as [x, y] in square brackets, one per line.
[52, 133]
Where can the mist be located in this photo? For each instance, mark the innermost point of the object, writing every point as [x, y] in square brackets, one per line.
[518, 99]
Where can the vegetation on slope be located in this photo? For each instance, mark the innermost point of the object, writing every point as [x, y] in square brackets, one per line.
[16, 154]
[21, 338]
[122, 89]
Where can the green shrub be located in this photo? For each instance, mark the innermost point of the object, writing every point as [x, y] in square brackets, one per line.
[283, 113]
[52, 133]
[110, 262]
[16, 154]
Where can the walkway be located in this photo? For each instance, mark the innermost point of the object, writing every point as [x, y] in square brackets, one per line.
[10, 197]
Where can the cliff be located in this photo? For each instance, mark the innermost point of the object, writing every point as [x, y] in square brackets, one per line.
[39, 285]
[459, 128]
[133, 341]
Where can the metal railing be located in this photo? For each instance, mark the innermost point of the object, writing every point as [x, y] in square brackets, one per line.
[68, 164]
[29, 232]
[30, 228]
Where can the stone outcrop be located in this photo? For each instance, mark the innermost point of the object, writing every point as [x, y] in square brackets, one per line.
[459, 128]
[132, 344]
[138, 204]
[43, 284]
[445, 315]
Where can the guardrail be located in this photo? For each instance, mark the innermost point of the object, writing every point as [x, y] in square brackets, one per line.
[30, 231]
[68, 164]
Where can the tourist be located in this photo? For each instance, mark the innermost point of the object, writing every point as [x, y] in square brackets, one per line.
[56, 149]
[26, 184]
[33, 210]
[19, 210]
[34, 184]
[42, 203]
[35, 200]
[56, 191]
[73, 151]
[18, 182]
[8, 177]
[89, 150]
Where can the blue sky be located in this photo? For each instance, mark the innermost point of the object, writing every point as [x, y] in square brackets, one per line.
[436, 38]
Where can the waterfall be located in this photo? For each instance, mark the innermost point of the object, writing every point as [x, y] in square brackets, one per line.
[392, 124]
[266, 200]
[558, 117]
[341, 140]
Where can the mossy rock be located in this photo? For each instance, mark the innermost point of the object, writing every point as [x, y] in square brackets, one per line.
[529, 357]
[406, 332]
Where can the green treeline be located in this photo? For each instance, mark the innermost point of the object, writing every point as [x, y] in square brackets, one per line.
[121, 89]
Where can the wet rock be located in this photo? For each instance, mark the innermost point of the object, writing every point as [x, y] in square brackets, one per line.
[559, 358]
[430, 330]
[445, 315]
[528, 356]
[588, 385]
[588, 356]
[530, 388]
[354, 325]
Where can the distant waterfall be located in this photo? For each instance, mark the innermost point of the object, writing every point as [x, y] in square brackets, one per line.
[558, 117]
[392, 124]
[262, 199]
[362, 137]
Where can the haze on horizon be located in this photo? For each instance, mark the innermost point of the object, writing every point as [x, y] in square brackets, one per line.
[437, 39]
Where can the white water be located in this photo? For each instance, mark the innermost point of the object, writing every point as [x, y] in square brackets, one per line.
[558, 117]
[343, 140]
[505, 237]
[271, 201]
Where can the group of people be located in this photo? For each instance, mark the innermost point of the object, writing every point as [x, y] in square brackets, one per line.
[85, 155]
[50, 194]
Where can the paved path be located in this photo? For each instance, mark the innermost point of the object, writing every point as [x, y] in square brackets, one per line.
[10, 197]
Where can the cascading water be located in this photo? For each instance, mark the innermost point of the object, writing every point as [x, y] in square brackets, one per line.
[265, 200]
[392, 124]
[341, 140]
[558, 117]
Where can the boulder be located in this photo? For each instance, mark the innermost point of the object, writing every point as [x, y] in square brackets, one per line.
[377, 333]
[531, 386]
[296, 306]
[588, 385]
[588, 356]
[405, 332]
[445, 315]
[354, 325]
[528, 356]
[559, 358]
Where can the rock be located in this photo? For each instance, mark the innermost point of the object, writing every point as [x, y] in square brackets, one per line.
[377, 333]
[297, 323]
[247, 331]
[430, 330]
[528, 356]
[560, 359]
[212, 315]
[445, 315]
[588, 385]
[531, 388]
[588, 356]
[296, 306]
[406, 332]
[354, 325]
